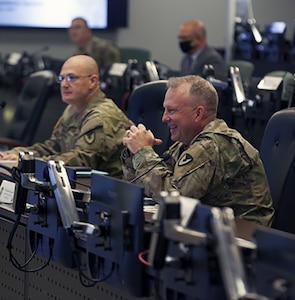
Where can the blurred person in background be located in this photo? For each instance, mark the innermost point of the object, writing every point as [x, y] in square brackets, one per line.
[192, 39]
[103, 51]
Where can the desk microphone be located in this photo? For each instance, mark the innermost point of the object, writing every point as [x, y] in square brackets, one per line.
[2, 104]
[164, 158]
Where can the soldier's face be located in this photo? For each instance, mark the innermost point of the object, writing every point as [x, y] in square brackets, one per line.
[78, 32]
[76, 85]
[180, 114]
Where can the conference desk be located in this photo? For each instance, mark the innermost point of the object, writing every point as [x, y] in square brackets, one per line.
[56, 281]
[53, 282]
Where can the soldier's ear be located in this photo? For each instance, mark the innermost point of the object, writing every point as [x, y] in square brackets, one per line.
[200, 112]
[94, 81]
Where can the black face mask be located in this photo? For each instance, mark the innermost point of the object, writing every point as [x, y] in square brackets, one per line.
[185, 46]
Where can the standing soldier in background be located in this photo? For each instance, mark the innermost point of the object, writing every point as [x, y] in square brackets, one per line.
[103, 51]
[90, 131]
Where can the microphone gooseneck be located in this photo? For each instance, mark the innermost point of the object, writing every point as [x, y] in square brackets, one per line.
[164, 158]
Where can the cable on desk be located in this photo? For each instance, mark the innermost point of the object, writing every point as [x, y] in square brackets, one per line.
[141, 256]
[82, 275]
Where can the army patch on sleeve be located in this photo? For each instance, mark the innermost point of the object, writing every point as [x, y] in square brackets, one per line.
[186, 159]
[89, 137]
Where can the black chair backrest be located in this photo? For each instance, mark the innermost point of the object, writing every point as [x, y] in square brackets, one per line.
[146, 106]
[30, 106]
[278, 155]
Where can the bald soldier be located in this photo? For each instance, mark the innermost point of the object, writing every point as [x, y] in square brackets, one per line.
[90, 130]
[208, 161]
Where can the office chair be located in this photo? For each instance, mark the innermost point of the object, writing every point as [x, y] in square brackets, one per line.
[246, 68]
[29, 109]
[272, 93]
[140, 54]
[146, 107]
[278, 156]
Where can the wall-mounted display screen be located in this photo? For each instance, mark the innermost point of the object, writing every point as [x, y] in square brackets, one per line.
[100, 14]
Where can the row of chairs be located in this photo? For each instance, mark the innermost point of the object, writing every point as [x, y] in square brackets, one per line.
[36, 111]
[247, 68]
[277, 148]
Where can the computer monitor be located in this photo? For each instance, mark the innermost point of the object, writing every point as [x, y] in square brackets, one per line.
[116, 207]
[277, 27]
[100, 14]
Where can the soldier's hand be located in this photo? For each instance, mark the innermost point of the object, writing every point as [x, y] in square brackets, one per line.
[8, 156]
[138, 137]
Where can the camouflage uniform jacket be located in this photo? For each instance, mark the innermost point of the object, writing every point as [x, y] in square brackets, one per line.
[219, 168]
[103, 51]
[91, 138]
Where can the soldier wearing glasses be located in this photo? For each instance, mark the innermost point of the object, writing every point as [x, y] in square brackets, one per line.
[90, 130]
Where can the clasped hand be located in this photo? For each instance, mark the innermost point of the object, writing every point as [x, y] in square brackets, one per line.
[138, 137]
[8, 156]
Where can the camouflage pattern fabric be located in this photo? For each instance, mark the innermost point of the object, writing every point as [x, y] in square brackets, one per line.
[92, 138]
[219, 167]
[103, 51]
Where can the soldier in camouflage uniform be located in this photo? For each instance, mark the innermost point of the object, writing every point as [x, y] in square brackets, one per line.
[209, 161]
[103, 51]
[90, 130]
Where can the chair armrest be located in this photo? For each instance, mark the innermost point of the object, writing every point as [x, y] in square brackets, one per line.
[6, 143]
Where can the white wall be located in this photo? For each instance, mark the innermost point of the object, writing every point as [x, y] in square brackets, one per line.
[268, 11]
[153, 24]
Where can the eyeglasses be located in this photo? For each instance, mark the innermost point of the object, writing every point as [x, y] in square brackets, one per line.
[69, 78]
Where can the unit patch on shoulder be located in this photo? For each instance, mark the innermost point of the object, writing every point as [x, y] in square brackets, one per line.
[187, 158]
[89, 137]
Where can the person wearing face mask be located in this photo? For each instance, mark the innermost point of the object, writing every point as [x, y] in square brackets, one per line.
[192, 38]
[208, 161]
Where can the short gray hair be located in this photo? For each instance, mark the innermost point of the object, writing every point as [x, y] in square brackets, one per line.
[200, 90]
